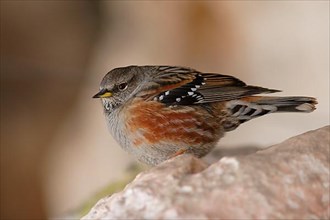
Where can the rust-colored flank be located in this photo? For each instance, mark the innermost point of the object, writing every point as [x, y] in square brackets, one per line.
[155, 123]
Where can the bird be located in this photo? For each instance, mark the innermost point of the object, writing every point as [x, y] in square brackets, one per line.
[159, 112]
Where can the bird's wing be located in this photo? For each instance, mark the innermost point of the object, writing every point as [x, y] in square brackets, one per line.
[184, 86]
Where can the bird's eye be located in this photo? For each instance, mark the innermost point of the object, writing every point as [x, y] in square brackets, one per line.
[122, 86]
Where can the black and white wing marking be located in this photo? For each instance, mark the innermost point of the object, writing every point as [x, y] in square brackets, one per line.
[184, 86]
[186, 94]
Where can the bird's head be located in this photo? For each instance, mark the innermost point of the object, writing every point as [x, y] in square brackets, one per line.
[119, 85]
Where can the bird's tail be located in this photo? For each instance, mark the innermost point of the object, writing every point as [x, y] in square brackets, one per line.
[251, 107]
[286, 104]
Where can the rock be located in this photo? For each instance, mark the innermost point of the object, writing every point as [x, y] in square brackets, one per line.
[287, 181]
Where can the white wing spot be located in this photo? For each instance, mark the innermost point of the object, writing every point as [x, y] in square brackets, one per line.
[193, 89]
[167, 92]
[199, 98]
[197, 86]
[190, 93]
[178, 99]
[161, 97]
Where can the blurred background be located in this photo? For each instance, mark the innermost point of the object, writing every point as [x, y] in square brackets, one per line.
[56, 152]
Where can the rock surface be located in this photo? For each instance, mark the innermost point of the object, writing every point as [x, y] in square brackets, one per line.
[286, 181]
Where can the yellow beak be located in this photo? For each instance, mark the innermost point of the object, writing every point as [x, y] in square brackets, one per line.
[103, 94]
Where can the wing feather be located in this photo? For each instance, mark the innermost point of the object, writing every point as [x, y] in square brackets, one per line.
[184, 86]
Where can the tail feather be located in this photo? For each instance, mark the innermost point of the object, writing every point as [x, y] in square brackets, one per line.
[289, 104]
[255, 106]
